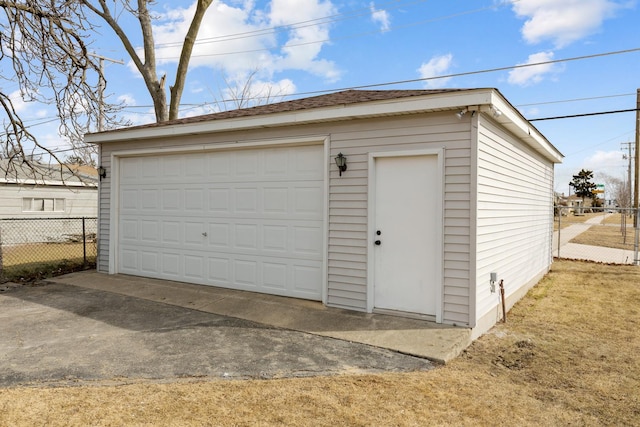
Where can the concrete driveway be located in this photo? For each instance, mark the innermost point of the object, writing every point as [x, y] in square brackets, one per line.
[58, 334]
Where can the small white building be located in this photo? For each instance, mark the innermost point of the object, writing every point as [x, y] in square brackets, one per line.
[441, 188]
[39, 194]
[47, 191]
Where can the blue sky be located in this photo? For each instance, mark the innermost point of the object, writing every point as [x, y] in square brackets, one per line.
[331, 45]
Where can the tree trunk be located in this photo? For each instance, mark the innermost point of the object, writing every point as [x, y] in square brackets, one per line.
[185, 56]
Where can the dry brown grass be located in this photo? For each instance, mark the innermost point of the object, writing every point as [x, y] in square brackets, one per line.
[569, 220]
[568, 355]
[609, 236]
[39, 260]
[34, 253]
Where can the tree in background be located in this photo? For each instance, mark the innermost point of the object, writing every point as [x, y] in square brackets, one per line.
[45, 49]
[618, 190]
[583, 185]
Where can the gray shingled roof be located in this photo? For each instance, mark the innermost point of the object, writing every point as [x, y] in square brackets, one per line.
[321, 101]
[17, 172]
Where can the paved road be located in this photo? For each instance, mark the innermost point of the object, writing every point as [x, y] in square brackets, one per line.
[60, 334]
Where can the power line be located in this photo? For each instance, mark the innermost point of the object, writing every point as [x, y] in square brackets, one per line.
[356, 35]
[293, 26]
[591, 98]
[571, 116]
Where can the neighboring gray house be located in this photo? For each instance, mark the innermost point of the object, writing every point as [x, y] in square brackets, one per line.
[441, 188]
[47, 191]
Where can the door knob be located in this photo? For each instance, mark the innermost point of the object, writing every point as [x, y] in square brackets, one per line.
[377, 242]
[378, 232]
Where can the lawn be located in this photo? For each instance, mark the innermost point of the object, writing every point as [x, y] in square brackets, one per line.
[568, 220]
[569, 354]
[37, 260]
[609, 236]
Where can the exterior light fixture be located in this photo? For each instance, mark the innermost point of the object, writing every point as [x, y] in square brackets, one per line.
[102, 172]
[496, 113]
[461, 113]
[341, 162]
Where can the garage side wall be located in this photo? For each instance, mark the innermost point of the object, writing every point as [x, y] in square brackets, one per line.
[514, 217]
[347, 204]
[104, 189]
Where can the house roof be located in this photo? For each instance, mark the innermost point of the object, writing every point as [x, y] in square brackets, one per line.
[344, 105]
[346, 97]
[34, 173]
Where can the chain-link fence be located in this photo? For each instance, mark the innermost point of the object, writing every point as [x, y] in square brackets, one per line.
[604, 234]
[30, 245]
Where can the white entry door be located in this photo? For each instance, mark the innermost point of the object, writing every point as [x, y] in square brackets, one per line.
[406, 236]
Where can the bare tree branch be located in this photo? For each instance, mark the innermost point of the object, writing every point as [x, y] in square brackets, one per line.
[185, 56]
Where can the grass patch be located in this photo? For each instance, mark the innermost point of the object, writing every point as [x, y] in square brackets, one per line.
[569, 220]
[609, 236]
[40, 260]
[568, 355]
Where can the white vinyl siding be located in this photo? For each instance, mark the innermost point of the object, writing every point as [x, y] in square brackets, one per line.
[347, 200]
[28, 201]
[348, 249]
[514, 213]
[104, 210]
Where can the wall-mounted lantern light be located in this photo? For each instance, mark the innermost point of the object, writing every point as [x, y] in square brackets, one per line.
[341, 162]
[102, 172]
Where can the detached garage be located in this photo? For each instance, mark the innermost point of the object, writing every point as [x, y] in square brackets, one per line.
[439, 189]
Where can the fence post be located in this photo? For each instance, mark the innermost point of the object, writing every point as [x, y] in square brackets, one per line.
[559, 227]
[636, 259]
[1, 263]
[84, 243]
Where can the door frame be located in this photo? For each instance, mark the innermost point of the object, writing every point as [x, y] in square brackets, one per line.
[114, 186]
[371, 221]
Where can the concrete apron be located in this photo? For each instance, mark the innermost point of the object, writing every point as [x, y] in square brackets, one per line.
[439, 343]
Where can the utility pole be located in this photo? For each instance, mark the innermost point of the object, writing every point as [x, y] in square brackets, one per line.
[637, 159]
[637, 180]
[102, 85]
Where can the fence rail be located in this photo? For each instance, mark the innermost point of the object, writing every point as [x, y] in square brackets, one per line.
[29, 244]
[607, 234]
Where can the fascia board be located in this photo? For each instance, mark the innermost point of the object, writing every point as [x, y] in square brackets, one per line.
[418, 104]
[516, 123]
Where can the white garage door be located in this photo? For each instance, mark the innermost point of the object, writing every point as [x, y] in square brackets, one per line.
[244, 219]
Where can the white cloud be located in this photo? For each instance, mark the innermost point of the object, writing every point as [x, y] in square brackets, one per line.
[260, 92]
[605, 161]
[127, 99]
[534, 74]
[236, 37]
[301, 50]
[436, 66]
[380, 17]
[562, 22]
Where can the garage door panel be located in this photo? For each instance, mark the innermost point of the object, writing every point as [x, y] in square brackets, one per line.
[170, 265]
[244, 219]
[150, 231]
[129, 230]
[194, 166]
[194, 267]
[170, 232]
[149, 262]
